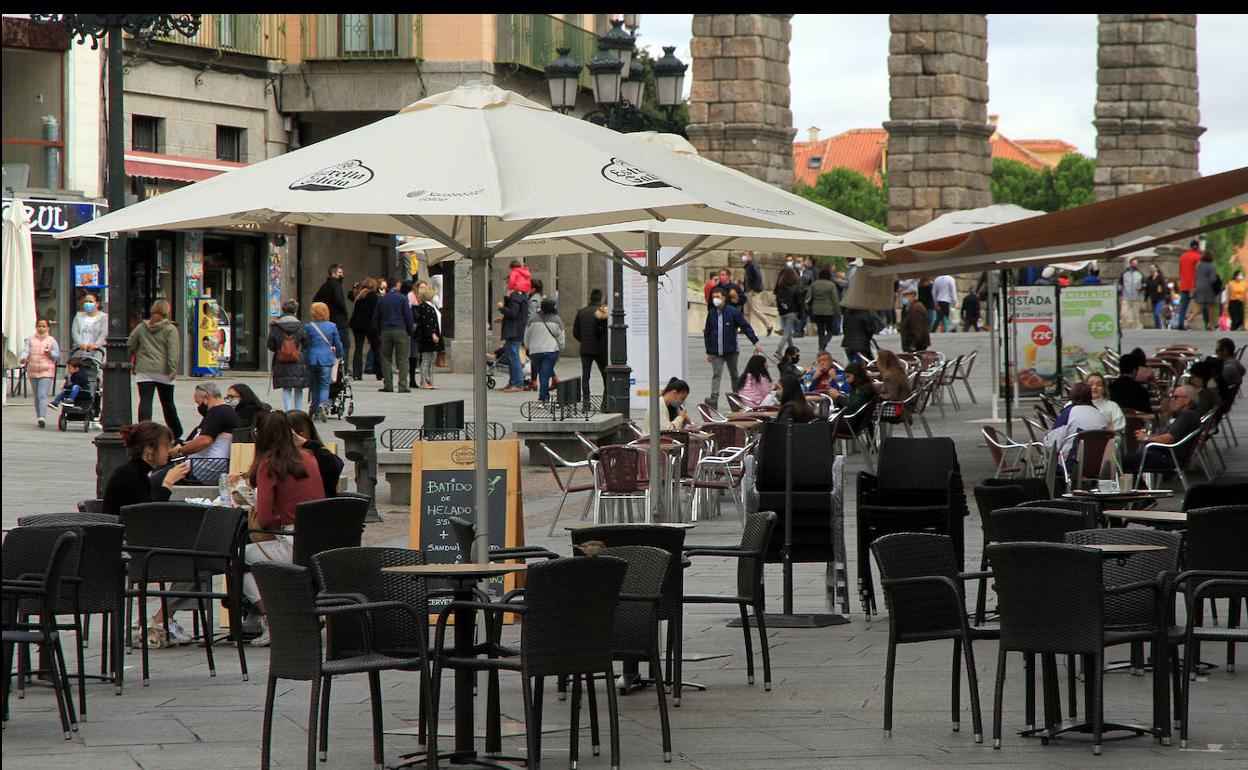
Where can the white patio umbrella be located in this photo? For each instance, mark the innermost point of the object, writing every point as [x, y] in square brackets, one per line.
[467, 167]
[19, 282]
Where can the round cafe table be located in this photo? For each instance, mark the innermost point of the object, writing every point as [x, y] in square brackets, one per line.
[1123, 497]
[463, 577]
[1155, 519]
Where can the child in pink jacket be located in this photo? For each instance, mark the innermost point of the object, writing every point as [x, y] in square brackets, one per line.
[40, 354]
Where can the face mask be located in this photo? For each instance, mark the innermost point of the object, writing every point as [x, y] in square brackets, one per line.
[719, 301]
[796, 359]
[231, 401]
[88, 306]
[203, 408]
[678, 404]
[788, 264]
[744, 258]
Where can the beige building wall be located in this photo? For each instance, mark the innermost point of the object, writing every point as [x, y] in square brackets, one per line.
[83, 113]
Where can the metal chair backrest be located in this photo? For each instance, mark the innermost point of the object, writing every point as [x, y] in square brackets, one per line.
[555, 462]
[968, 364]
[734, 402]
[1092, 450]
[725, 435]
[1035, 524]
[710, 414]
[589, 444]
[1207, 495]
[623, 469]
[359, 571]
[634, 631]
[1050, 597]
[162, 525]
[322, 525]
[1035, 430]
[1136, 607]
[920, 607]
[294, 627]
[570, 615]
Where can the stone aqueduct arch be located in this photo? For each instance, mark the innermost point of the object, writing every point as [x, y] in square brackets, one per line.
[1147, 110]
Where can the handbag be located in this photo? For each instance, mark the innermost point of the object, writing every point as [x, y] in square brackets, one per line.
[442, 360]
[253, 522]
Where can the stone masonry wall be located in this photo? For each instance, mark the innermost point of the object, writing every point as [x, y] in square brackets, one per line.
[939, 157]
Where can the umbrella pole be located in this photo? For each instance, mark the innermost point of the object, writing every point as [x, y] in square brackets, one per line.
[480, 319]
[652, 338]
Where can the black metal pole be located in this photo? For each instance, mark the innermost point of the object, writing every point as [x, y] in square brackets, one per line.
[116, 412]
[787, 555]
[1005, 318]
[619, 373]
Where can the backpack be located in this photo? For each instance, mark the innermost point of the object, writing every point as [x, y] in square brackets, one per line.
[288, 352]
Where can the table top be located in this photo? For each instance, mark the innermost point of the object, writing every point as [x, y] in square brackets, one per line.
[674, 524]
[460, 570]
[1121, 549]
[1126, 494]
[1168, 517]
[750, 415]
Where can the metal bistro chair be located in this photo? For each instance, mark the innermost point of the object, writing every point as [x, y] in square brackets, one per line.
[554, 461]
[1000, 447]
[901, 412]
[926, 602]
[34, 561]
[620, 476]
[710, 414]
[964, 374]
[722, 470]
[1170, 450]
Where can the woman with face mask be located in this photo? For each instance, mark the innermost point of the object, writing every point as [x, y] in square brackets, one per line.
[672, 414]
[89, 329]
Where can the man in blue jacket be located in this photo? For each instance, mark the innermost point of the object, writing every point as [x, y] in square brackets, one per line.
[723, 321]
[394, 322]
[515, 310]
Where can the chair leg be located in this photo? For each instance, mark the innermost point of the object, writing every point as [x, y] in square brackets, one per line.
[267, 730]
[79, 643]
[326, 682]
[1098, 704]
[143, 630]
[538, 685]
[562, 498]
[60, 704]
[972, 681]
[997, 699]
[374, 697]
[889, 667]
[957, 685]
[119, 630]
[530, 723]
[313, 703]
[1029, 673]
[759, 617]
[234, 587]
[1072, 690]
[613, 714]
[981, 601]
[749, 646]
[1232, 621]
[678, 634]
[207, 623]
[664, 723]
[60, 672]
[574, 724]
[969, 392]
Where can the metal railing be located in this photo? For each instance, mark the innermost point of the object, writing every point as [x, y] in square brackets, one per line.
[530, 40]
[403, 438]
[253, 34]
[362, 36]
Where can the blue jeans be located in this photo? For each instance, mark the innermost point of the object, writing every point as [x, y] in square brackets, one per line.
[318, 393]
[515, 370]
[1185, 300]
[931, 319]
[543, 368]
[69, 394]
[292, 398]
[1157, 306]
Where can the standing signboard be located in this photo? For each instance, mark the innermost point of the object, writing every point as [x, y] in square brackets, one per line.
[207, 337]
[1033, 330]
[442, 487]
[673, 320]
[1089, 325]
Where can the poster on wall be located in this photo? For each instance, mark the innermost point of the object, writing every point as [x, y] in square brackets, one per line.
[87, 276]
[207, 337]
[1089, 325]
[192, 267]
[277, 258]
[1033, 330]
[673, 320]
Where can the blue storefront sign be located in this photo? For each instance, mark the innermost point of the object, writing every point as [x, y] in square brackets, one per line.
[49, 217]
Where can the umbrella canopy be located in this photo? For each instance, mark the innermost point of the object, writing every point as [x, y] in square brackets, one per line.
[469, 166]
[19, 282]
[1076, 234]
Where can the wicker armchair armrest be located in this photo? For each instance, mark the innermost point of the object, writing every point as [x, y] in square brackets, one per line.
[1138, 585]
[327, 599]
[444, 616]
[25, 587]
[523, 552]
[147, 553]
[974, 575]
[370, 607]
[928, 579]
[641, 598]
[714, 551]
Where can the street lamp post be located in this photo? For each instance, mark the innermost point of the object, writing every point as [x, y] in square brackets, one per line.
[116, 412]
[617, 78]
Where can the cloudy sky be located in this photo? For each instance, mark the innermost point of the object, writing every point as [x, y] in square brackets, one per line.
[1041, 76]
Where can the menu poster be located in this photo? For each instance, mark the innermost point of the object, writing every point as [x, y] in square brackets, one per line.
[1033, 339]
[673, 320]
[1089, 325]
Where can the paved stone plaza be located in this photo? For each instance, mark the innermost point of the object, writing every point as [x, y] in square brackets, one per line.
[825, 709]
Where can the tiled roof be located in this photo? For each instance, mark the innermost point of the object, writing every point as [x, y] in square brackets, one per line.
[863, 149]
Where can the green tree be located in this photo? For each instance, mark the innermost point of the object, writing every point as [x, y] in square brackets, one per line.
[850, 193]
[1017, 183]
[1064, 186]
[1223, 242]
[1070, 182]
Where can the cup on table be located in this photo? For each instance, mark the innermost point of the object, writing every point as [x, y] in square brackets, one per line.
[1107, 485]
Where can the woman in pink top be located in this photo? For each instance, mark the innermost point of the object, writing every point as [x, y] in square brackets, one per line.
[40, 354]
[755, 383]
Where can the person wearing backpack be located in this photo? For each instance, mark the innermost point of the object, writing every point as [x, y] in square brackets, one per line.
[288, 339]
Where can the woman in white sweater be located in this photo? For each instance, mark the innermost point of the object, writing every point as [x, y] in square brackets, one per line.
[1100, 399]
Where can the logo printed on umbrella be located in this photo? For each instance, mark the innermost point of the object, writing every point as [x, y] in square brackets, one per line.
[757, 210]
[624, 173]
[433, 196]
[344, 176]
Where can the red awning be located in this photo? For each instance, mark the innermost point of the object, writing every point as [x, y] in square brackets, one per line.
[153, 165]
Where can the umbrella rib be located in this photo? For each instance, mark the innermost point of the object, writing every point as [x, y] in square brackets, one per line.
[591, 249]
[676, 260]
[429, 229]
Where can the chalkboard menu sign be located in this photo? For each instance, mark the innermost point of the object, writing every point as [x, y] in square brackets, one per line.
[443, 486]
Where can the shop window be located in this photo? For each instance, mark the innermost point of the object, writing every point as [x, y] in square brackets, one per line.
[230, 143]
[369, 34]
[146, 133]
[34, 115]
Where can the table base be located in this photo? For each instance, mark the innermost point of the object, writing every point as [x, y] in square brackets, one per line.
[806, 620]
[1045, 733]
[470, 758]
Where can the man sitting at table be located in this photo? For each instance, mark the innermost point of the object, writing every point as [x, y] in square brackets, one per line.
[1126, 391]
[211, 440]
[824, 377]
[1183, 421]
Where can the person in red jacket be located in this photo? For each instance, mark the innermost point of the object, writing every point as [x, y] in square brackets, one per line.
[283, 476]
[1187, 279]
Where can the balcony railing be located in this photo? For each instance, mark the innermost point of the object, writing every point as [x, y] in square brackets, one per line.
[530, 40]
[362, 36]
[252, 34]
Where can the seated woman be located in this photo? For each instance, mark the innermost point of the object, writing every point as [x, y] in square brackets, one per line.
[246, 403]
[306, 437]
[1078, 415]
[793, 404]
[672, 414]
[896, 384]
[861, 391]
[1100, 399]
[283, 476]
[755, 383]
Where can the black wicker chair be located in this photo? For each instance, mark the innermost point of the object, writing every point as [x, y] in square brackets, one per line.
[1052, 601]
[322, 525]
[91, 506]
[1033, 488]
[989, 498]
[92, 583]
[187, 544]
[34, 561]
[671, 609]
[296, 651]
[69, 519]
[750, 555]
[569, 610]
[918, 489]
[925, 599]
[466, 534]
[635, 632]
[1210, 495]
[354, 575]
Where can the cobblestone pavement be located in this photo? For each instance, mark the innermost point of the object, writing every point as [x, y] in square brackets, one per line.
[825, 710]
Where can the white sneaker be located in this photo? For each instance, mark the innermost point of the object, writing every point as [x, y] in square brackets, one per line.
[263, 639]
[177, 634]
[40, 422]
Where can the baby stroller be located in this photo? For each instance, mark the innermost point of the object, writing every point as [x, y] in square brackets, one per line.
[341, 401]
[498, 361]
[87, 406]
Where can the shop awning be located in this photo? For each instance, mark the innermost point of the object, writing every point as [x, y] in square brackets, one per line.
[153, 165]
[1105, 228]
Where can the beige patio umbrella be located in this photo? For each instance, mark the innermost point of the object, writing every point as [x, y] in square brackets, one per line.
[470, 167]
[19, 282]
